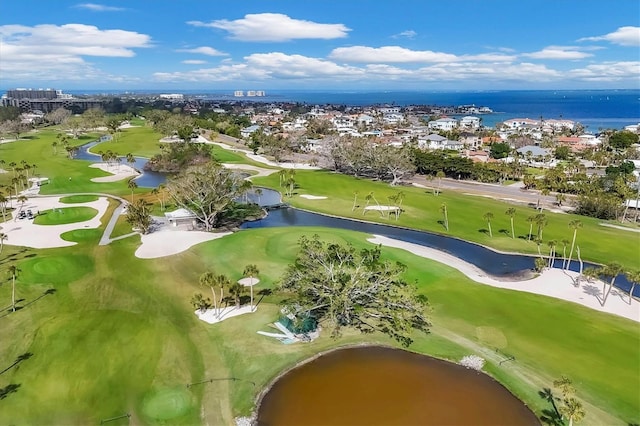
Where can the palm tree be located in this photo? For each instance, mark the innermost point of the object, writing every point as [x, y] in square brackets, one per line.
[22, 199]
[488, 216]
[236, 290]
[13, 271]
[439, 175]
[131, 160]
[443, 210]
[633, 276]
[530, 219]
[572, 408]
[132, 186]
[560, 198]
[610, 270]
[3, 237]
[3, 206]
[565, 243]
[574, 224]
[222, 281]
[511, 212]
[258, 193]
[207, 279]
[541, 222]
[251, 271]
[355, 200]
[552, 251]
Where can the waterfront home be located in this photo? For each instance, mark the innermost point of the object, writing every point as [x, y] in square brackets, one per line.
[470, 122]
[520, 123]
[444, 123]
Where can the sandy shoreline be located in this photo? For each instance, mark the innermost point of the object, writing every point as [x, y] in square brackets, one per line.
[118, 172]
[554, 283]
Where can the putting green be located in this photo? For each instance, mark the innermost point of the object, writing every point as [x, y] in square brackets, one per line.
[82, 235]
[55, 269]
[167, 403]
[72, 199]
[65, 215]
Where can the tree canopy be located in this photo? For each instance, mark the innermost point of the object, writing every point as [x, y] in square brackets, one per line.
[623, 139]
[206, 190]
[341, 287]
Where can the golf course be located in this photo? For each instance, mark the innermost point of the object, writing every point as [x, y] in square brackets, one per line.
[99, 334]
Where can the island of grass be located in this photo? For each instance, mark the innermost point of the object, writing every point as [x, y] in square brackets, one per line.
[78, 199]
[64, 215]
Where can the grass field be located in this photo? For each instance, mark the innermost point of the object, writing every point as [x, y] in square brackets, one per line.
[119, 331]
[100, 333]
[65, 215]
[465, 213]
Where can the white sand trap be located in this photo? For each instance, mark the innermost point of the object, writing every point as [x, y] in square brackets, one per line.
[552, 282]
[259, 170]
[167, 241]
[23, 232]
[382, 208]
[313, 197]
[3, 171]
[118, 172]
[213, 316]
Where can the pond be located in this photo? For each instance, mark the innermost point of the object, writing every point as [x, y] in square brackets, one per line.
[147, 179]
[492, 262]
[385, 386]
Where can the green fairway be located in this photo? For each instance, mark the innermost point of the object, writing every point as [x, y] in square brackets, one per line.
[73, 199]
[65, 215]
[421, 210]
[99, 333]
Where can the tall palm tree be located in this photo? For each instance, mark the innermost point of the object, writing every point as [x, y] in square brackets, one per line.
[530, 219]
[132, 186]
[511, 212]
[443, 210]
[565, 243]
[440, 174]
[3, 237]
[633, 276]
[572, 408]
[541, 222]
[223, 282]
[207, 279]
[575, 225]
[3, 206]
[13, 271]
[552, 251]
[610, 270]
[488, 216]
[236, 289]
[131, 160]
[258, 193]
[251, 271]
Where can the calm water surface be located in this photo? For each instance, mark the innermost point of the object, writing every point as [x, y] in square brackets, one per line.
[384, 386]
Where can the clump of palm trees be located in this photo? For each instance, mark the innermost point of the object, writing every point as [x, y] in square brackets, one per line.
[217, 284]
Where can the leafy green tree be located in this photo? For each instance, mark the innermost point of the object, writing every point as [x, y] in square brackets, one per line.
[206, 190]
[200, 303]
[562, 152]
[236, 290]
[341, 287]
[139, 216]
[623, 139]
[499, 150]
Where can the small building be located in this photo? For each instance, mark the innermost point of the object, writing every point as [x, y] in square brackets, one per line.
[181, 217]
[443, 124]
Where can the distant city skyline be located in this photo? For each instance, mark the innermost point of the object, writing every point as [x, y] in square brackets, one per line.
[331, 45]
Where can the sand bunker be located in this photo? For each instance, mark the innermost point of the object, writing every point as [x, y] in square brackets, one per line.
[382, 208]
[313, 197]
[118, 172]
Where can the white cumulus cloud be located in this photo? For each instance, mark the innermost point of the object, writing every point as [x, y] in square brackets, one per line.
[388, 54]
[98, 7]
[204, 50]
[275, 27]
[558, 52]
[194, 62]
[624, 36]
[62, 48]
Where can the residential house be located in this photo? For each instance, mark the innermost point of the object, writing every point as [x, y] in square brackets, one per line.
[444, 123]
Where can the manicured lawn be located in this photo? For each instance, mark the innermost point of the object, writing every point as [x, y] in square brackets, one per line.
[73, 199]
[118, 334]
[65, 215]
[422, 211]
[142, 141]
[102, 333]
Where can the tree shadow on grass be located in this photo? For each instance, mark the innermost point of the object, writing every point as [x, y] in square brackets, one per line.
[262, 293]
[9, 389]
[10, 310]
[483, 231]
[505, 232]
[25, 356]
[550, 417]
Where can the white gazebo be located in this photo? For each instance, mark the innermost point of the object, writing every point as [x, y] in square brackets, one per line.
[249, 282]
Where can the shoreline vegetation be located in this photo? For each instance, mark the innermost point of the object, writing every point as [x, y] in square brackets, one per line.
[149, 306]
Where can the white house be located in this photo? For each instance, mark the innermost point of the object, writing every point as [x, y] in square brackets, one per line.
[392, 118]
[443, 124]
[247, 131]
[518, 123]
[470, 122]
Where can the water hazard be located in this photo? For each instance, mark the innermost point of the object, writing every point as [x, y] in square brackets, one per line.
[384, 386]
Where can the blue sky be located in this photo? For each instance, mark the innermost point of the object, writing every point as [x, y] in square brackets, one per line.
[320, 45]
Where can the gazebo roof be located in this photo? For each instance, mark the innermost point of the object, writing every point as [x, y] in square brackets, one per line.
[180, 214]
